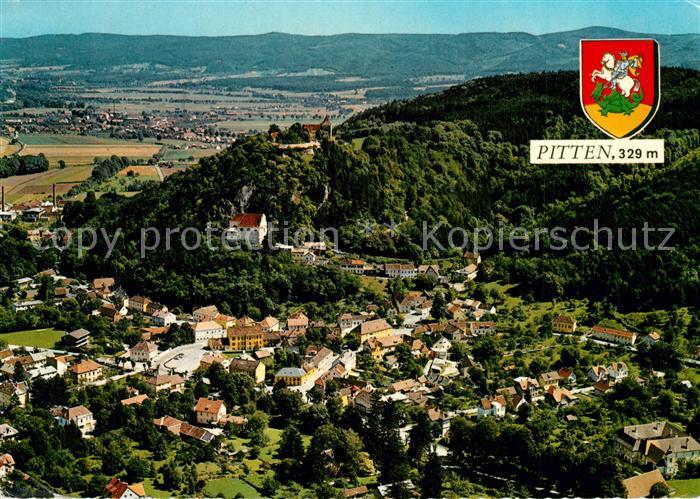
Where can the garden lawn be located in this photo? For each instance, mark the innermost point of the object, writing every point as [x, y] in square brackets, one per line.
[228, 487]
[41, 338]
[686, 488]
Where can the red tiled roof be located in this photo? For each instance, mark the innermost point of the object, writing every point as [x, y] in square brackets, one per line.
[250, 220]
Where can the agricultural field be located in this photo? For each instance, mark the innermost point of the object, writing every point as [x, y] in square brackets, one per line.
[82, 149]
[6, 149]
[23, 188]
[41, 338]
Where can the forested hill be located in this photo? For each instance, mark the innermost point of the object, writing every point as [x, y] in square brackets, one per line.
[410, 172]
[366, 55]
[521, 106]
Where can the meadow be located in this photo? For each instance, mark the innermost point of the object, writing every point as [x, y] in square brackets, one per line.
[41, 338]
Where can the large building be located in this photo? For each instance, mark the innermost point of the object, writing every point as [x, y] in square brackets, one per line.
[659, 445]
[407, 270]
[249, 338]
[564, 324]
[145, 351]
[86, 371]
[204, 331]
[377, 328]
[80, 416]
[254, 368]
[293, 376]
[613, 335]
[250, 228]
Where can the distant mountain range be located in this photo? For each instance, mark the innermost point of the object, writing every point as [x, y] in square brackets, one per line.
[400, 56]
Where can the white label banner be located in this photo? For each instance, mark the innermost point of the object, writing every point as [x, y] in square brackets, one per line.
[573, 152]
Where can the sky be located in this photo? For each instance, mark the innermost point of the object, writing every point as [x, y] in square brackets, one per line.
[22, 18]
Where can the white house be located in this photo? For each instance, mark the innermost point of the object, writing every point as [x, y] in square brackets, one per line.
[618, 371]
[250, 228]
[7, 465]
[163, 318]
[145, 351]
[597, 373]
[495, 406]
[209, 411]
[78, 415]
[204, 331]
[407, 270]
[441, 347]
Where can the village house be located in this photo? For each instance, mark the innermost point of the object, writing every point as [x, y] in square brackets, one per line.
[430, 270]
[254, 368]
[145, 351]
[86, 371]
[151, 333]
[379, 347]
[658, 444]
[118, 489]
[468, 273]
[567, 374]
[405, 270]
[495, 406]
[651, 338]
[163, 318]
[528, 387]
[559, 396]
[204, 331]
[248, 228]
[548, 379]
[11, 392]
[613, 335]
[79, 415]
[293, 376]
[7, 465]
[478, 328]
[270, 324]
[137, 304]
[411, 301]
[225, 321]
[209, 411]
[321, 359]
[441, 347]
[183, 429]
[347, 322]
[171, 383]
[7, 432]
[297, 321]
[618, 371]
[564, 324]
[248, 338]
[377, 328]
[354, 266]
[135, 400]
[209, 360]
[205, 314]
[303, 255]
[597, 373]
[111, 313]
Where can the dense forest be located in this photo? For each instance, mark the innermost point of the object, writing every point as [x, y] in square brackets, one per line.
[400, 164]
[22, 165]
